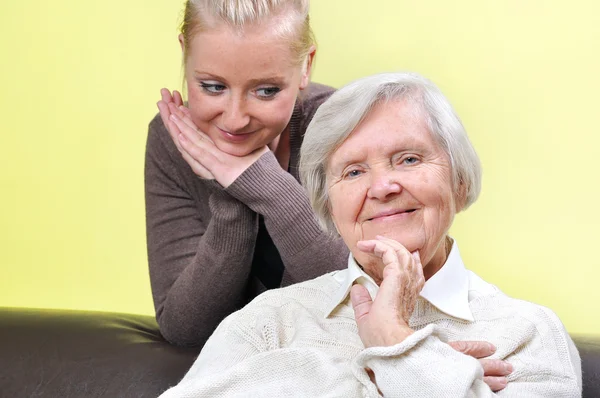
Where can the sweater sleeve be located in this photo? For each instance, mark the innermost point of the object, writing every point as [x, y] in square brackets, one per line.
[199, 261]
[306, 250]
[428, 367]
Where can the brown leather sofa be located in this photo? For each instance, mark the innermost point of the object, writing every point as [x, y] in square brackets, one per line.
[52, 353]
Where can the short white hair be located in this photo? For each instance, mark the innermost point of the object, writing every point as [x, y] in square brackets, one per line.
[337, 117]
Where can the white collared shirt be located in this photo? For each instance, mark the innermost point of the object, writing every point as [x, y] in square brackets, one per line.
[449, 290]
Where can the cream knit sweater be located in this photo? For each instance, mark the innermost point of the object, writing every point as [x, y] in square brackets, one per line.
[290, 343]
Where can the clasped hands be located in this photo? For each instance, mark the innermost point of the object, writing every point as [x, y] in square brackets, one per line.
[384, 321]
[197, 149]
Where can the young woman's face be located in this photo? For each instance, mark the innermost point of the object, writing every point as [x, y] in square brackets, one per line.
[242, 87]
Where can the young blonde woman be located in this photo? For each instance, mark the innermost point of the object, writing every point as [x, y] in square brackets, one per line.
[226, 216]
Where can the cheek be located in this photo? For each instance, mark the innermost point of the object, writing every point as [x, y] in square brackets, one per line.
[276, 114]
[202, 108]
[440, 200]
[346, 203]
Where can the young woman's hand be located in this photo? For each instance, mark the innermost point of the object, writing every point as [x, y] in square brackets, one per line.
[384, 321]
[199, 151]
[174, 102]
[163, 106]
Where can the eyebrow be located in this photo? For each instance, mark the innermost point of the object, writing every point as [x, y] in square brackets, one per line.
[269, 80]
[338, 167]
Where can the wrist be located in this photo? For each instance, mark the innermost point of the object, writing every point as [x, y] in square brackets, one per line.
[388, 338]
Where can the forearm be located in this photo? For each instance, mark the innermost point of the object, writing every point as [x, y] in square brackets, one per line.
[200, 242]
[205, 283]
[306, 250]
[426, 366]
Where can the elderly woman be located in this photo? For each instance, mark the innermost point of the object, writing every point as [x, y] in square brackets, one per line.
[387, 165]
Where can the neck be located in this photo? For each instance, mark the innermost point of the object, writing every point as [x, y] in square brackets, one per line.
[439, 259]
[281, 148]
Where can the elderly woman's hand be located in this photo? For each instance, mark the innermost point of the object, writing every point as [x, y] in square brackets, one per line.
[494, 370]
[384, 321]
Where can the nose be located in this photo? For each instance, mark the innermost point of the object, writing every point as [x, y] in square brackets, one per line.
[384, 185]
[235, 116]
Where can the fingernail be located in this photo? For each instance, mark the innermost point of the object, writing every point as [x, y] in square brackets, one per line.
[416, 255]
[492, 347]
[508, 367]
[173, 117]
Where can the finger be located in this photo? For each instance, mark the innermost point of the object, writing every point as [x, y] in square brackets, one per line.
[385, 252]
[189, 132]
[166, 95]
[495, 383]
[417, 256]
[366, 246]
[401, 251]
[178, 111]
[198, 168]
[495, 367]
[173, 131]
[361, 302]
[177, 99]
[163, 109]
[185, 110]
[410, 262]
[475, 349]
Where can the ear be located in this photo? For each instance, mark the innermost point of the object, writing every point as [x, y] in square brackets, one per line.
[307, 67]
[182, 43]
[461, 197]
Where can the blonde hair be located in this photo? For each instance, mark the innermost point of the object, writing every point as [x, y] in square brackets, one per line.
[293, 23]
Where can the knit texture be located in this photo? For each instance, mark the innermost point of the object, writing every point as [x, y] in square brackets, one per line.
[201, 238]
[282, 345]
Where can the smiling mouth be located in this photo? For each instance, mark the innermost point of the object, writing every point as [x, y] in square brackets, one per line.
[234, 134]
[392, 213]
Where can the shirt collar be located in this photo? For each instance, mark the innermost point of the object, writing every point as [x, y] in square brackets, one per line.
[447, 290]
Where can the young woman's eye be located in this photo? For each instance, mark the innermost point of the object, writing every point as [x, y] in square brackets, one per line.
[212, 88]
[267, 92]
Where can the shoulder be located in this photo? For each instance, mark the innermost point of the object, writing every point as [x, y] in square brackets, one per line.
[159, 141]
[309, 294]
[314, 95]
[316, 92]
[526, 324]
[309, 101]
[288, 302]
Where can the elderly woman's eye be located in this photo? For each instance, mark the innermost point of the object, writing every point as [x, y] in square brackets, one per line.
[410, 160]
[352, 173]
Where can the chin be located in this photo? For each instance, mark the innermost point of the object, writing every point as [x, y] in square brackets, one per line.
[239, 150]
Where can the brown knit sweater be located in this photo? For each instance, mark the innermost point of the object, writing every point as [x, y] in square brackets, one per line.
[202, 238]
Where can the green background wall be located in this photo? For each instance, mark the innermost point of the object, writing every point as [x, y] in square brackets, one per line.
[80, 81]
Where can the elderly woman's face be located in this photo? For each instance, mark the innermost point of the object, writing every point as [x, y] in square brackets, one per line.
[391, 178]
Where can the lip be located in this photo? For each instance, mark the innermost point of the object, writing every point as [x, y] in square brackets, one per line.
[234, 137]
[392, 213]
